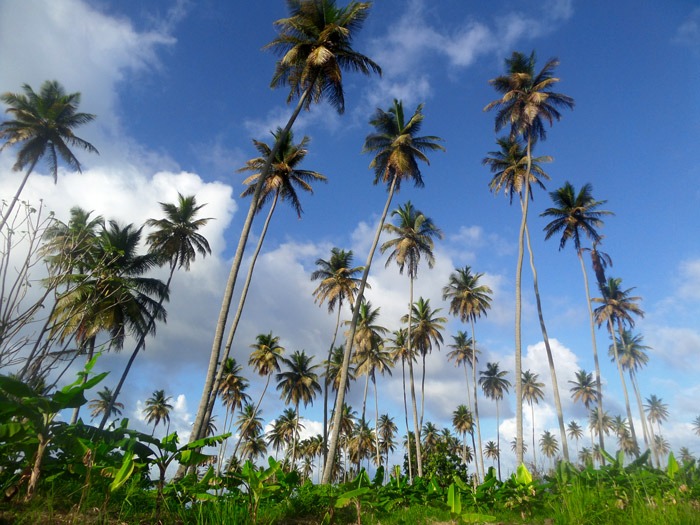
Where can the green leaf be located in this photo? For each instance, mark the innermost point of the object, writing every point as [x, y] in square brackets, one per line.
[344, 499]
[475, 517]
[124, 472]
[454, 499]
[672, 468]
[522, 475]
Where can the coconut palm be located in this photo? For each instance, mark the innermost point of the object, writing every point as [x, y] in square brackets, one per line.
[158, 409]
[333, 368]
[686, 456]
[585, 456]
[548, 444]
[42, 125]
[249, 424]
[397, 149]
[298, 383]
[463, 423]
[315, 46]
[532, 394]
[584, 389]
[386, 429]
[232, 390]
[103, 403]
[527, 102]
[468, 300]
[575, 215]
[494, 385]
[617, 307]
[598, 423]
[346, 423]
[574, 431]
[361, 443]
[492, 452]
[338, 283]
[656, 412]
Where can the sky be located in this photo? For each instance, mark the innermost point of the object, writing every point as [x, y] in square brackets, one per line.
[180, 89]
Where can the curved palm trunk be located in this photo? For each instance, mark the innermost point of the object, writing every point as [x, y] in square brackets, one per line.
[208, 388]
[14, 200]
[416, 424]
[340, 398]
[405, 412]
[239, 311]
[325, 385]
[599, 390]
[550, 357]
[476, 407]
[624, 386]
[141, 343]
[642, 417]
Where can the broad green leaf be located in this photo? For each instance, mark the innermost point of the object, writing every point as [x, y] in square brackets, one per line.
[124, 472]
[672, 468]
[346, 498]
[454, 499]
[522, 475]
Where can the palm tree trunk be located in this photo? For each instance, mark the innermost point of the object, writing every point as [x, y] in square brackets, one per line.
[642, 416]
[340, 398]
[476, 406]
[405, 412]
[239, 310]
[233, 274]
[376, 420]
[14, 200]
[416, 425]
[534, 448]
[599, 390]
[624, 386]
[550, 357]
[325, 385]
[257, 407]
[498, 437]
[364, 397]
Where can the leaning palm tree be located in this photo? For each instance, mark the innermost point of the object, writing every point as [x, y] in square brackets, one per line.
[176, 241]
[575, 215]
[158, 409]
[298, 383]
[338, 283]
[494, 385]
[42, 125]
[468, 300]
[532, 394]
[315, 45]
[412, 238]
[398, 149]
[103, 403]
[513, 170]
[527, 102]
[617, 308]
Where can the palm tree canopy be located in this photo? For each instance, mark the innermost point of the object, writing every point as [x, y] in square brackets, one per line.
[233, 385]
[463, 420]
[315, 45]
[334, 367]
[616, 304]
[584, 388]
[574, 430]
[298, 383]
[462, 349]
[338, 277]
[630, 350]
[656, 409]
[532, 388]
[573, 214]
[427, 327]
[493, 381]
[509, 168]
[414, 234]
[266, 354]
[176, 236]
[285, 176]
[397, 148]
[43, 125]
[468, 299]
[158, 408]
[100, 405]
[368, 333]
[67, 247]
[528, 100]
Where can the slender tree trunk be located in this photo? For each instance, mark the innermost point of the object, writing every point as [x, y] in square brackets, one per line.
[480, 453]
[36, 467]
[405, 412]
[409, 345]
[364, 397]
[534, 448]
[550, 357]
[239, 311]
[340, 398]
[416, 436]
[325, 385]
[376, 420]
[498, 437]
[257, 407]
[231, 283]
[14, 200]
[624, 387]
[599, 389]
[642, 416]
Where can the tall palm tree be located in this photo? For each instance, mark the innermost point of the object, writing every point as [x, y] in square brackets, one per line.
[548, 444]
[42, 125]
[584, 389]
[158, 409]
[176, 241]
[696, 425]
[103, 403]
[232, 390]
[339, 282]
[575, 215]
[249, 425]
[463, 423]
[397, 150]
[599, 423]
[656, 412]
[386, 430]
[493, 452]
[532, 394]
[315, 46]
[617, 307]
[494, 385]
[333, 368]
[361, 443]
[633, 357]
[298, 383]
[527, 102]
[468, 300]
[412, 238]
[574, 431]
[512, 167]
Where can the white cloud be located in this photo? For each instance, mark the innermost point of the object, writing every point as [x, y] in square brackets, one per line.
[688, 34]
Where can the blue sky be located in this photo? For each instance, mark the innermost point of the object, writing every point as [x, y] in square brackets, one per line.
[180, 89]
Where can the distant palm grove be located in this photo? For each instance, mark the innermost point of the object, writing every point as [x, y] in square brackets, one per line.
[74, 290]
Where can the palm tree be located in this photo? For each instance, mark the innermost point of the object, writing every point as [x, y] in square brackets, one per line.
[386, 430]
[463, 423]
[685, 455]
[232, 390]
[177, 241]
[158, 409]
[42, 124]
[696, 425]
[576, 215]
[333, 368]
[298, 383]
[346, 423]
[656, 412]
[468, 300]
[315, 45]
[492, 451]
[584, 389]
[494, 385]
[548, 444]
[249, 425]
[283, 430]
[527, 101]
[397, 150]
[574, 431]
[512, 167]
[598, 423]
[532, 394]
[338, 283]
[361, 442]
[617, 306]
[632, 355]
[103, 403]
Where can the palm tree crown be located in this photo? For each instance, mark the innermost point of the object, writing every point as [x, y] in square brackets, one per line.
[509, 166]
[158, 408]
[338, 278]
[468, 299]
